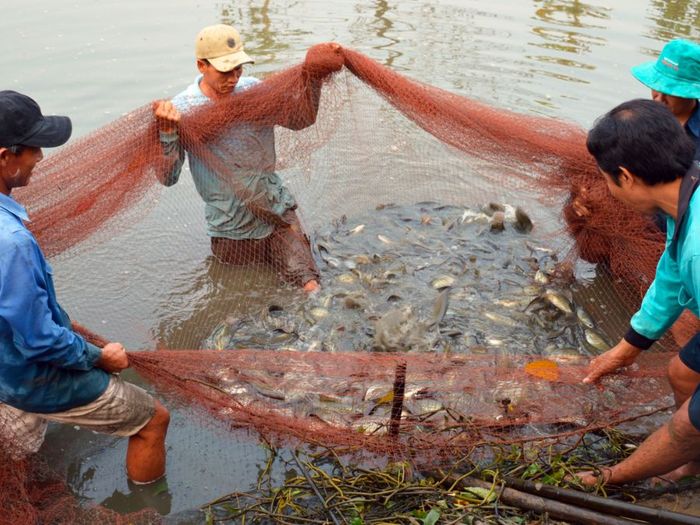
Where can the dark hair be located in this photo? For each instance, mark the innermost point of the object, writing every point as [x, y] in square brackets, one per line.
[644, 137]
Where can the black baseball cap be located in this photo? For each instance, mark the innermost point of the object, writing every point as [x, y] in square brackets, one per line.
[21, 123]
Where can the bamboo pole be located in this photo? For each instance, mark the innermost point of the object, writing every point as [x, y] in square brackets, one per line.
[397, 401]
[555, 509]
[594, 502]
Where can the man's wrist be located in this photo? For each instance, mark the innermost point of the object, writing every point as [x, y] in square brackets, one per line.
[168, 136]
[94, 354]
[637, 340]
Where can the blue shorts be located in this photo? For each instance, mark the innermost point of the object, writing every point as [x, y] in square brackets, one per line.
[690, 356]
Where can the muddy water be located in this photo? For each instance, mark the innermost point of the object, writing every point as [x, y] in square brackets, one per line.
[97, 60]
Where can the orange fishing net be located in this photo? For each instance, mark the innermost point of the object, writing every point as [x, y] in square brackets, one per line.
[389, 377]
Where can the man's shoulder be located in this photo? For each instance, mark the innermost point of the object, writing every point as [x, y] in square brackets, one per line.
[247, 82]
[14, 237]
[189, 97]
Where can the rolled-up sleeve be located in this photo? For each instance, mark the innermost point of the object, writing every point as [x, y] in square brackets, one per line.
[172, 150]
[24, 305]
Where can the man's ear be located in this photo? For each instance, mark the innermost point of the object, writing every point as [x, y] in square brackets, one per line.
[626, 178]
[4, 155]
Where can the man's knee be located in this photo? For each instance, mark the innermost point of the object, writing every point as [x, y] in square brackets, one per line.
[157, 426]
[684, 426]
[681, 377]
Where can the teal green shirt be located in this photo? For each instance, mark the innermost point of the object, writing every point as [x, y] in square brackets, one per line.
[676, 285]
[249, 150]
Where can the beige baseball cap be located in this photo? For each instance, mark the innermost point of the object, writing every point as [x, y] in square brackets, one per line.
[222, 46]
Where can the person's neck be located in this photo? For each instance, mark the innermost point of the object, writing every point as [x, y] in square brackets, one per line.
[684, 117]
[666, 197]
[4, 188]
[210, 93]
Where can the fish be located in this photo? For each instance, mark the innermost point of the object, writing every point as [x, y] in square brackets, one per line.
[371, 425]
[565, 355]
[357, 229]
[332, 262]
[424, 407]
[501, 319]
[541, 277]
[470, 216]
[330, 417]
[377, 391]
[269, 392]
[498, 221]
[319, 313]
[443, 281]
[558, 301]
[384, 239]
[584, 317]
[220, 337]
[353, 302]
[439, 308]
[523, 223]
[596, 340]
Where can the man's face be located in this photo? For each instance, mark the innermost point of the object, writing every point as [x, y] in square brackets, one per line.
[219, 83]
[631, 191]
[680, 107]
[17, 168]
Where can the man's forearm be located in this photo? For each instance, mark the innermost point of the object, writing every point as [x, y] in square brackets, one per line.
[172, 160]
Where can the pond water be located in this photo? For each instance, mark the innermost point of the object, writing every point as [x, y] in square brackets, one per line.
[96, 60]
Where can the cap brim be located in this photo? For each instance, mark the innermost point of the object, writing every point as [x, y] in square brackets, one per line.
[228, 62]
[654, 79]
[49, 132]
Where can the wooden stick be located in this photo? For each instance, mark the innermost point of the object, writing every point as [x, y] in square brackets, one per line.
[554, 508]
[397, 402]
[594, 502]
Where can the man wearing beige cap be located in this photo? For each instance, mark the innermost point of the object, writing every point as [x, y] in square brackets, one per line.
[238, 234]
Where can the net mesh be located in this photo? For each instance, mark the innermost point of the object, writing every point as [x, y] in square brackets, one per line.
[497, 348]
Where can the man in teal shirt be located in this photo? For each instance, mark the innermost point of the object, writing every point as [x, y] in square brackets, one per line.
[646, 159]
[238, 234]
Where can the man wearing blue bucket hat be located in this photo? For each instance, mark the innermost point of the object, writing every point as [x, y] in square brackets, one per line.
[674, 80]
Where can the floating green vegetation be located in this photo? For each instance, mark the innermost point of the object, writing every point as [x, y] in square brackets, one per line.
[527, 483]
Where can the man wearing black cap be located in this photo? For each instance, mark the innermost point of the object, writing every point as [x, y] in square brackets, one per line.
[47, 371]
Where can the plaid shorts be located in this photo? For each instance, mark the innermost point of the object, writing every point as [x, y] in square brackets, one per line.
[122, 410]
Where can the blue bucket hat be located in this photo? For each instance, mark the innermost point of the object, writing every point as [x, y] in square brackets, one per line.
[676, 72]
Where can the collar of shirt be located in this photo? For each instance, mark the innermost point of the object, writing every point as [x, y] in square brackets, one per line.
[693, 124]
[12, 206]
[690, 182]
[244, 83]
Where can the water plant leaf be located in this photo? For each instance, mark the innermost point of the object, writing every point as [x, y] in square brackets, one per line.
[432, 517]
